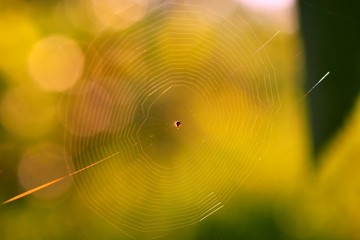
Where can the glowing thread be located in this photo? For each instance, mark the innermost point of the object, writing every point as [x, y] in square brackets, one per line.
[311, 89]
[24, 194]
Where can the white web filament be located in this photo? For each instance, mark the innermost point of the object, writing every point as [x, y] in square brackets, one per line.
[313, 87]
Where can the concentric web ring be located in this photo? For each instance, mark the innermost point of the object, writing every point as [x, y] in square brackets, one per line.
[212, 76]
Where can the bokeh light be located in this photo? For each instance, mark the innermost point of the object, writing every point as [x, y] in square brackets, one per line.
[80, 14]
[268, 5]
[119, 14]
[43, 163]
[18, 34]
[280, 14]
[27, 112]
[211, 10]
[56, 63]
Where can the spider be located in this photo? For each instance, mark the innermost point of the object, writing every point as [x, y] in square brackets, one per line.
[177, 124]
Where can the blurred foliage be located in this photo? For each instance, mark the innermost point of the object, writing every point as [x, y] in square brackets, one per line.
[282, 198]
[331, 34]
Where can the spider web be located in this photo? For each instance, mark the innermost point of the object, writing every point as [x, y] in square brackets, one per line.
[175, 65]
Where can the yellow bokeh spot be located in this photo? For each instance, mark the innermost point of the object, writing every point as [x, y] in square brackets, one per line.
[19, 33]
[119, 14]
[27, 112]
[56, 63]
